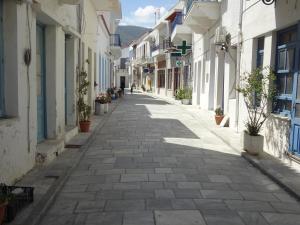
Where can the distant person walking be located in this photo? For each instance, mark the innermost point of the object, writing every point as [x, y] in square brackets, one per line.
[132, 86]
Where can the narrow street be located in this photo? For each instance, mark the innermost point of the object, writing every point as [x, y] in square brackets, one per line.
[153, 164]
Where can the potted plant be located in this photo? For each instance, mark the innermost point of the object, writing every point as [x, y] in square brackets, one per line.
[120, 92]
[258, 90]
[84, 110]
[179, 94]
[111, 93]
[219, 115]
[187, 97]
[101, 104]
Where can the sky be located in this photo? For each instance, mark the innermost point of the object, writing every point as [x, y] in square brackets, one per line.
[142, 12]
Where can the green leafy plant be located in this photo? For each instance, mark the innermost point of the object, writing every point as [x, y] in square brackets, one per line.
[258, 90]
[183, 93]
[84, 110]
[219, 111]
[4, 196]
[188, 94]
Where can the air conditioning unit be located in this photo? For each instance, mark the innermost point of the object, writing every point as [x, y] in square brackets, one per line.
[220, 36]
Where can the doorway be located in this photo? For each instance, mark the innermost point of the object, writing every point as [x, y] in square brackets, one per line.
[176, 79]
[41, 83]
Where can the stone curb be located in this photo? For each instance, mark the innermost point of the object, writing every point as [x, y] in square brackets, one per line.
[250, 159]
[264, 170]
[40, 210]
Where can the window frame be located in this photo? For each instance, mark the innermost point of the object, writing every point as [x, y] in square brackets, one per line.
[260, 51]
[285, 98]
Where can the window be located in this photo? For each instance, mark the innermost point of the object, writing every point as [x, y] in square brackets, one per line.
[2, 111]
[169, 78]
[161, 78]
[285, 69]
[259, 64]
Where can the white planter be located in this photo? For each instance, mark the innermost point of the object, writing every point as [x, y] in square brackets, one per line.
[97, 108]
[186, 101]
[254, 145]
[106, 109]
[103, 109]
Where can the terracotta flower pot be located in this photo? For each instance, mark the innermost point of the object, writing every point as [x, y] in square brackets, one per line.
[2, 212]
[218, 119]
[84, 126]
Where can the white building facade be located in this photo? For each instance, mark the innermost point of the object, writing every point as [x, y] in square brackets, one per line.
[43, 45]
[255, 35]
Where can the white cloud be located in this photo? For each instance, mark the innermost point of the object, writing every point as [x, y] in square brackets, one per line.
[143, 16]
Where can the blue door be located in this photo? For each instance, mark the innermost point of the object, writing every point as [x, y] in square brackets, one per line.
[295, 134]
[40, 80]
[288, 76]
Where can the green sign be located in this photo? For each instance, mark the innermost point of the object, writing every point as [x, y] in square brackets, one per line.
[184, 47]
[178, 63]
[176, 54]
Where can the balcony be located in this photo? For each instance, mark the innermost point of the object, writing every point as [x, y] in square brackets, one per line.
[109, 5]
[180, 32]
[201, 14]
[157, 49]
[178, 20]
[115, 45]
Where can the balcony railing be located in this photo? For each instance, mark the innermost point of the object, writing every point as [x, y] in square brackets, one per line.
[177, 21]
[165, 45]
[115, 40]
[157, 47]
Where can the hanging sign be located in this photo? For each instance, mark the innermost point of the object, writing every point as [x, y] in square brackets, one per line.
[184, 48]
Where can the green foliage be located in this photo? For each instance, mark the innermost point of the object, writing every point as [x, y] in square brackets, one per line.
[219, 111]
[5, 197]
[183, 93]
[84, 110]
[257, 86]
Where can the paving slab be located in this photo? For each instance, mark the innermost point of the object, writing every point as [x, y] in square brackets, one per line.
[157, 163]
[179, 217]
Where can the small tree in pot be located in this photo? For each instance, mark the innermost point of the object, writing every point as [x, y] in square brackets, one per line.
[258, 90]
[219, 115]
[84, 110]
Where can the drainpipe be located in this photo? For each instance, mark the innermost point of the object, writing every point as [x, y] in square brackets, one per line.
[238, 64]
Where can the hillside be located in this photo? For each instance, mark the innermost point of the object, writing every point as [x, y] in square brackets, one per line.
[130, 33]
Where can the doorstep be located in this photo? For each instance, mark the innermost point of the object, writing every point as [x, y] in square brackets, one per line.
[48, 150]
[282, 172]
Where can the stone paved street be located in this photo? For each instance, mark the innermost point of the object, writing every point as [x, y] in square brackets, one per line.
[153, 163]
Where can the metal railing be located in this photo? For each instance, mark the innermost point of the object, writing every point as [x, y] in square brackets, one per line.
[115, 40]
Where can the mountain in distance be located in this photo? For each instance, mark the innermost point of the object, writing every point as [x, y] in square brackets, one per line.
[130, 33]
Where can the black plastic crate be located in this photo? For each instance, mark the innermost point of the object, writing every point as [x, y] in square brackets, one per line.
[18, 200]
